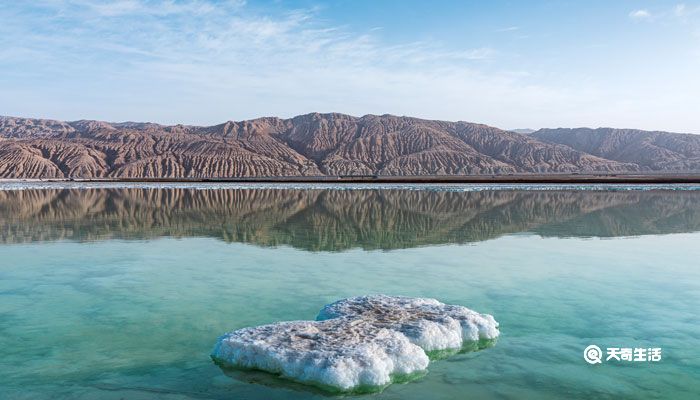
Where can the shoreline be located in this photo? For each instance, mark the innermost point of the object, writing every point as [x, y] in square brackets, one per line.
[639, 178]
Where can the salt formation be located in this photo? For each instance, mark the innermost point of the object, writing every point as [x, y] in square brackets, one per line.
[357, 343]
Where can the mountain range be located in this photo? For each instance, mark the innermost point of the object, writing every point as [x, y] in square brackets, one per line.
[328, 145]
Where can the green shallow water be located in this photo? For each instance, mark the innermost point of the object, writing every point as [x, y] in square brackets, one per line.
[121, 293]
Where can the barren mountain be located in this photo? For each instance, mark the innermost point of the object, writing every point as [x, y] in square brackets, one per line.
[323, 144]
[656, 151]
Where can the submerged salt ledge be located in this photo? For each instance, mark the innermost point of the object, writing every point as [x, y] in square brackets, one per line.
[356, 342]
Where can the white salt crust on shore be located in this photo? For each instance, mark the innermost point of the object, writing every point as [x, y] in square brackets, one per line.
[359, 342]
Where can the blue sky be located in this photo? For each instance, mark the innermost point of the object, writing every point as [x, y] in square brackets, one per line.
[511, 64]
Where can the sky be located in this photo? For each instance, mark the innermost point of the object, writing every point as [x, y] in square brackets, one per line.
[510, 64]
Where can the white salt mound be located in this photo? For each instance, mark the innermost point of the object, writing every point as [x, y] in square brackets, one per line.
[360, 342]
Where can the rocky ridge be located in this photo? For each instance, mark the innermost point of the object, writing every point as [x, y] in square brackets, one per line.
[326, 145]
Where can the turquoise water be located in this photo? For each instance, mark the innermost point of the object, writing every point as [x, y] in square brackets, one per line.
[121, 292]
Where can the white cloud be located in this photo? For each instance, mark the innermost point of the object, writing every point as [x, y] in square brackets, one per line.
[679, 10]
[640, 14]
[116, 8]
[275, 63]
[685, 13]
[121, 8]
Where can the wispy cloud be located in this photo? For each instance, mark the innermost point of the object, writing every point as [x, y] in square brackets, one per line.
[684, 12]
[508, 29]
[680, 11]
[223, 34]
[278, 63]
[640, 14]
[117, 8]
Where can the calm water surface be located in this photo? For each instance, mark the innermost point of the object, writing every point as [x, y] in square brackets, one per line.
[121, 292]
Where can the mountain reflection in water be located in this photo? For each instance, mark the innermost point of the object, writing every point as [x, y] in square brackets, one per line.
[334, 220]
